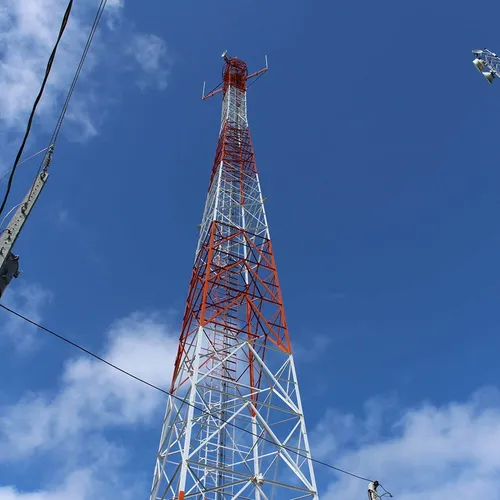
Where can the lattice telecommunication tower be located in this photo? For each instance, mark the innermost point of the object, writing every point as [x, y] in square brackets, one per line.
[238, 430]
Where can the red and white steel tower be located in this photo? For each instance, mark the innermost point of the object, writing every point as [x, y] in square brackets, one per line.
[234, 425]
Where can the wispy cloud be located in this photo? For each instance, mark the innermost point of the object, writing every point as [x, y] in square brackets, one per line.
[93, 396]
[63, 216]
[80, 234]
[437, 452]
[150, 52]
[30, 300]
[313, 347]
[69, 427]
[28, 29]
[433, 452]
[95, 481]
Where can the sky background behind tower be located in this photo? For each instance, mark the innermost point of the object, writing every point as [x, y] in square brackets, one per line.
[374, 141]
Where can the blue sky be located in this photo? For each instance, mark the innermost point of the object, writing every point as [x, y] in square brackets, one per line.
[374, 138]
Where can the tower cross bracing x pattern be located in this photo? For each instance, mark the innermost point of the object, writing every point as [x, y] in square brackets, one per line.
[238, 429]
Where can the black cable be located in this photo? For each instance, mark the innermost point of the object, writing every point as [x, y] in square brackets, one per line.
[201, 410]
[254, 81]
[86, 351]
[20, 163]
[37, 100]
[386, 492]
[90, 38]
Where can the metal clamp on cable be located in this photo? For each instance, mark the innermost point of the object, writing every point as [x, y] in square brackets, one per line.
[48, 157]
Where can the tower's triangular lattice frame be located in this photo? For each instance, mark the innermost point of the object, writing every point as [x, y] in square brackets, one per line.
[235, 428]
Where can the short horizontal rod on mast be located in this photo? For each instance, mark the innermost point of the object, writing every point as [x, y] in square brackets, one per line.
[211, 93]
[260, 71]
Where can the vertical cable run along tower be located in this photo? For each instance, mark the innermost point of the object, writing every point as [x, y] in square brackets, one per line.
[235, 427]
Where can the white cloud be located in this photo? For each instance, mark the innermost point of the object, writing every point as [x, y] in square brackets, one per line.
[150, 52]
[29, 300]
[94, 396]
[83, 237]
[28, 30]
[63, 216]
[86, 483]
[316, 346]
[428, 451]
[76, 487]
[432, 452]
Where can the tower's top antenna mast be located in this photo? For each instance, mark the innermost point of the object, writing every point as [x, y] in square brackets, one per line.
[235, 74]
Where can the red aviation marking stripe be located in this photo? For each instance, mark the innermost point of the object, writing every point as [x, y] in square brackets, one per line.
[230, 304]
[225, 239]
[207, 275]
[280, 297]
[258, 279]
[251, 365]
[181, 495]
[279, 341]
[219, 153]
[259, 250]
[195, 290]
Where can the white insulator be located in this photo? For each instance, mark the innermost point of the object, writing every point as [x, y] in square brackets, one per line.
[48, 156]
